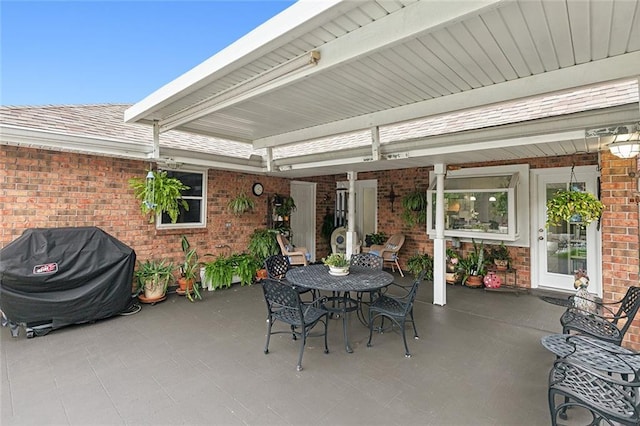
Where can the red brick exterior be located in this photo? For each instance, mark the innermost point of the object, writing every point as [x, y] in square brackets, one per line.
[41, 188]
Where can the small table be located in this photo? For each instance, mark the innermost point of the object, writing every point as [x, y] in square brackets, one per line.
[594, 355]
[358, 280]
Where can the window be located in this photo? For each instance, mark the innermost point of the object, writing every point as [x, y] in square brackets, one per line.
[196, 198]
[479, 203]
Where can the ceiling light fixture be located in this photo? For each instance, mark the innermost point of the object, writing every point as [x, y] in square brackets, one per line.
[626, 146]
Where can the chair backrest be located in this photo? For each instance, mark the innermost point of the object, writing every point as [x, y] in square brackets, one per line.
[366, 260]
[283, 242]
[629, 306]
[394, 243]
[277, 266]
[283, 301]
[411, 297]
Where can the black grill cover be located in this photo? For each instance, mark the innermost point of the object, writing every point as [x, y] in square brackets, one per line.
[63, 276]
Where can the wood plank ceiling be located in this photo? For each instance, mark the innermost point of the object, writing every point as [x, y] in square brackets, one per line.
[389, 62]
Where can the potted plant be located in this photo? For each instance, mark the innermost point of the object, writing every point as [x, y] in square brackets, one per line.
[338, 264]
[240, 204]
[159, 193]
[285, 206]
[263, 243]
[189, 271]
[453, 258]
[573, 206]
[375, 239]
[245, 267]
[414, 206]
[473, 266]
[420, 262]
[153, 277]
[218, 273]
[500, 256]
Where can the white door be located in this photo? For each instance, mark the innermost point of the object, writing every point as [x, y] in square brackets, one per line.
[563, 249]
[303, 218]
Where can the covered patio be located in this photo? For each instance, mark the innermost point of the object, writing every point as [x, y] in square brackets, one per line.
[478, 361]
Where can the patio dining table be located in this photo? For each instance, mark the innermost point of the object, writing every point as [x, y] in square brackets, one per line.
[359, 279]
[595, 353]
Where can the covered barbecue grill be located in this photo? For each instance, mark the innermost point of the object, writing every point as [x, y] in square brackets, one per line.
[54, 277]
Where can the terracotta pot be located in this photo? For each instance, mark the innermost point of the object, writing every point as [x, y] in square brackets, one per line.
[474, 281]
[501, 264]
[185, 284]
[261, 274]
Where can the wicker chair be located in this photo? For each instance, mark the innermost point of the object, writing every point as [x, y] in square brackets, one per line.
[389, 251]
[397, 309]
[296, 255]
[608, 397]
[607, 324]
[284, 304]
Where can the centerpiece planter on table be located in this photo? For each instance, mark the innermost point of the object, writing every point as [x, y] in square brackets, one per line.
[338, 264]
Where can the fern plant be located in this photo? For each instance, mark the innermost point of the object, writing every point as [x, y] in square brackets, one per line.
[167, 195]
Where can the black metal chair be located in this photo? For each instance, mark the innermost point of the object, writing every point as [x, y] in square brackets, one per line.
[607, 324]
[371, 261]
[397, 309]
[284, 304]
[277, 267]
[608, 389]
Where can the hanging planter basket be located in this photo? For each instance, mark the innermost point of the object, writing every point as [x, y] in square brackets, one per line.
[573, 206]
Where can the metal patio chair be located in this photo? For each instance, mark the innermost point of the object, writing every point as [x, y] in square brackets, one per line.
[599, 377]
[398, 309]
[608, 324]
[284, 304]
[277, 267]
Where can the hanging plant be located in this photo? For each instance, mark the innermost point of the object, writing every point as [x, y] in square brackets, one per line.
[241, 204]
[414, 206]
[160, 193]
[573, 206]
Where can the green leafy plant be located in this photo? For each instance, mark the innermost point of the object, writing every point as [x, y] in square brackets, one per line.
[167, 195]
[189, 270]
[219, 272]
[420, 262]
[414, 207]
[337, 260]
[499, 252]
[474, 263]
[245, 266]
[153, 273]
[284, 206]
[240, 204]
[262, 244]
[376, 239]
[573, 206]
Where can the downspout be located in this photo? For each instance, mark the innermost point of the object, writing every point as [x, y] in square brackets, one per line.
[439, 243]
[156, 140]
[351, 215]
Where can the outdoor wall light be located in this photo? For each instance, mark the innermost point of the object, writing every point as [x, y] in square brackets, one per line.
[626, 145]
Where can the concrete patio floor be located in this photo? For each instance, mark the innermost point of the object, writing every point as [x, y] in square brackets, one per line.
[478, 361]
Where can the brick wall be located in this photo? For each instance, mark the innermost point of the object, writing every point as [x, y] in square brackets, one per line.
[620, 228]
[48, 189]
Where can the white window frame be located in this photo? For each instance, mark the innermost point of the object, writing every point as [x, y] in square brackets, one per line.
[203, 199]
[519, 235]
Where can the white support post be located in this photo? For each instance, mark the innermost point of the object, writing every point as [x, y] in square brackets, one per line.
[156, 140]
[269, 159]
[439, 243]
[351, 215]
[375, 143]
